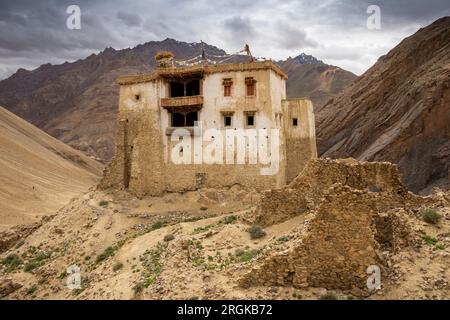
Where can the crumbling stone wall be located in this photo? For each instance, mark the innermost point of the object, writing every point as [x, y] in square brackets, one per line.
[343, 237]
[307, 189]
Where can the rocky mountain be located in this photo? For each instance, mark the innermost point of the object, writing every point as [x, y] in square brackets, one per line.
[38, 173]
[398, 111]
[309, 77]
[77, 102]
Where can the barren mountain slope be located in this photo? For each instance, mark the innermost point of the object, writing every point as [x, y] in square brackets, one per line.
[77, 102]
[38, 174]
[398, 111]
[200, 244]
[311, 78]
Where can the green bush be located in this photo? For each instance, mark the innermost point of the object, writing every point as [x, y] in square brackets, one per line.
[431, 216]
[229, 219]
[169, 237]
[256, 232]
[157, 225]
[283, 239]
[429, 240]
[117, 266]
[103, 203]
[32, 289]
[11, 262]
[108, 252]
[247, 255]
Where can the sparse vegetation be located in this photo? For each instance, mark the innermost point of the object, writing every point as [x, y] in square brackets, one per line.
[103, 203]
[229, 219]
[256, 232]
[11, 262]
[283, 239]
[32, 289]
[109, 252]
[247, 255]
[157, 225]
[203, 208]
[153, 266]
[117, 266]
[138, 288]
[37, 261]
[431, 216]
[226, 220]
[328, 296]
[19, 244]
[429, 240]
[203, 229]
[169, 237]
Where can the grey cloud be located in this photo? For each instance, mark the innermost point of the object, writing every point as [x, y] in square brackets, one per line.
[240, 26]
[130, 19]
[36, 32]
[290, 37]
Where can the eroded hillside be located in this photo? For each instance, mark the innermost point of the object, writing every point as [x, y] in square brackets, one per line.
[205, 244]
[38, 173]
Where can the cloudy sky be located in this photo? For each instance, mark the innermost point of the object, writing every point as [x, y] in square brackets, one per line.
[34, 32]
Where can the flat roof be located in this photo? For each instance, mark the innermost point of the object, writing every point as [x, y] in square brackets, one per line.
[175, 72]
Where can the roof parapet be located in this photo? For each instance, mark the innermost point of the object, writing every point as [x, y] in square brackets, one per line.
[174, 72]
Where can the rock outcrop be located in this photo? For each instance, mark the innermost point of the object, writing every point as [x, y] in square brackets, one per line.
[347, 233]
[398, 111]
[306, 191]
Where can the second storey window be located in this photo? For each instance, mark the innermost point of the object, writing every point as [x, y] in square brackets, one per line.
[250, 86]
[227, 83]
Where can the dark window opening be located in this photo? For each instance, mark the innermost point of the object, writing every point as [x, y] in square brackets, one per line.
[176, 89]
[295, 122]
[191, 117]
[193, 88]
[177, 119]
[227, 121]
[250, 120]
[137, 97]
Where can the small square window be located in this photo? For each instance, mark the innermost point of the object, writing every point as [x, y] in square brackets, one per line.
[227, 121]
[295, 122]
[137, 97]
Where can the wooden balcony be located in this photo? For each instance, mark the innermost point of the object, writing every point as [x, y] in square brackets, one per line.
[182, 102]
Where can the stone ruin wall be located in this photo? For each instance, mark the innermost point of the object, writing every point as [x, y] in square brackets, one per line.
[307, 189]
[342, 238]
